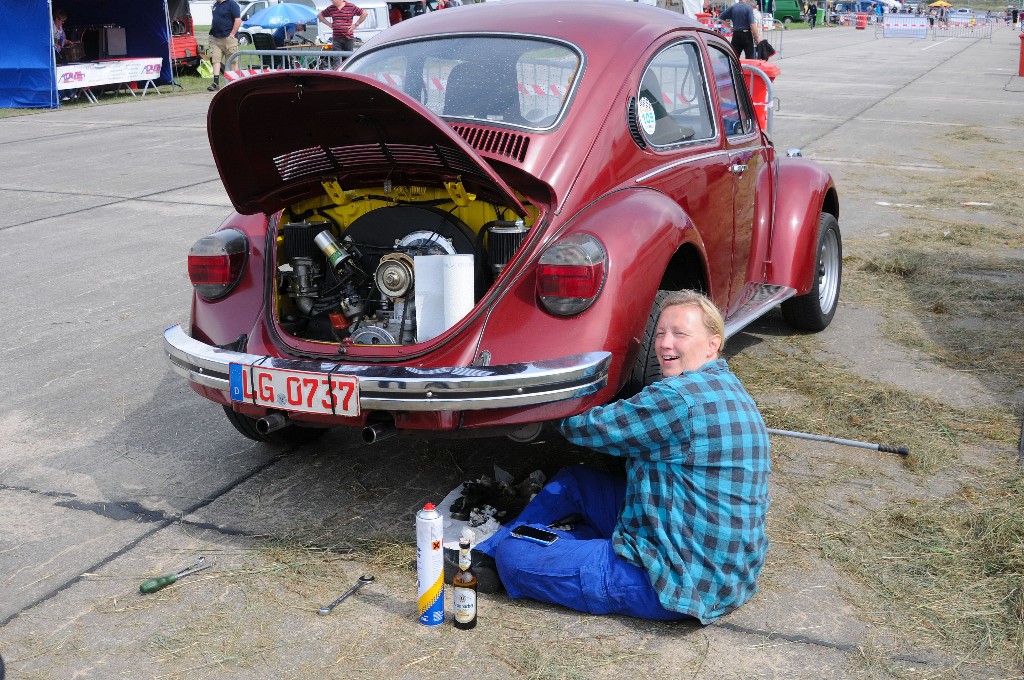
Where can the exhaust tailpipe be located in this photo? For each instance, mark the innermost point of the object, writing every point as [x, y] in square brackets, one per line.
[271, 422]
[378, 432]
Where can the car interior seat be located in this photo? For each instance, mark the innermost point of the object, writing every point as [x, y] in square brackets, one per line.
[476, 90]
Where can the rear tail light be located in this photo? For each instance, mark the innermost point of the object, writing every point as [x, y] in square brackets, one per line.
[216, 262]
[570, 274]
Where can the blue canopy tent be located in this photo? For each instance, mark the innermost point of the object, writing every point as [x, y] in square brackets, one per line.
[28, 63]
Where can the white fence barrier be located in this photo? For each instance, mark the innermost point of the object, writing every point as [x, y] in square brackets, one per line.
[978, 28]
[904, 26]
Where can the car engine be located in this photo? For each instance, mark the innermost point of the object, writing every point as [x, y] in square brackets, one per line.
[358, 285]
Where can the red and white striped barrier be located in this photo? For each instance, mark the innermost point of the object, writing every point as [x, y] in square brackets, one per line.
[231, 76]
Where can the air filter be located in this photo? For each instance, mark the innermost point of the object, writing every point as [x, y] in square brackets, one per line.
[503, 240]
[298, 238]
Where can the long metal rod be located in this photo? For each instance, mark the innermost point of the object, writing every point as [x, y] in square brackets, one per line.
[901, 450]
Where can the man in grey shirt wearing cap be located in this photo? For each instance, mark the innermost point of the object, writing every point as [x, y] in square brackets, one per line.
[744, 27]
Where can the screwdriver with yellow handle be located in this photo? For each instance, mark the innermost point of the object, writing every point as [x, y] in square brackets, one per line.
[161, 582]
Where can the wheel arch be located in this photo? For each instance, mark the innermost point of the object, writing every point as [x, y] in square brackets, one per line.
[805, 190]
[686, 270]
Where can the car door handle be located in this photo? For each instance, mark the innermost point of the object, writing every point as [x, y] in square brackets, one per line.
[738, 168]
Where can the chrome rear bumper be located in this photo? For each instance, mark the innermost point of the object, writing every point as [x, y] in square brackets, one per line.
[401, 388]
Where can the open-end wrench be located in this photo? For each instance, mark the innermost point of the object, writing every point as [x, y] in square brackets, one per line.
[363, 580]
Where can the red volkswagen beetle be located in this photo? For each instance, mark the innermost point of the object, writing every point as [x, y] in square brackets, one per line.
[467, 230]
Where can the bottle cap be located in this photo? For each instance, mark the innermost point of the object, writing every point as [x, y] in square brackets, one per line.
[429, 506]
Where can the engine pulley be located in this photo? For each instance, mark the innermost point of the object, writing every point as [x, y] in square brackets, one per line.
[373, 335]
[394, 276]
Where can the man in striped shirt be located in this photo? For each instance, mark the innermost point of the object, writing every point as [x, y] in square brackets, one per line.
[339, 16]
[683, 535]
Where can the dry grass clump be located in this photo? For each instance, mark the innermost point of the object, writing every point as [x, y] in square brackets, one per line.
[837, 403]
[953, 568]
[312, 551]
[969, 134]
[963, 283]
[1004, 190]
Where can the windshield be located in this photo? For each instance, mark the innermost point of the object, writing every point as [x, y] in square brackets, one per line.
[524, 82]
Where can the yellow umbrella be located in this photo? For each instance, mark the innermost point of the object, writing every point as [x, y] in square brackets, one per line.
[940, 3]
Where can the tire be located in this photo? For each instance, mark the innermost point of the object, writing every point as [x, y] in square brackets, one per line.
[646, 369]
[289, 435]
[244, 39]
[814, 311]
[787, 20]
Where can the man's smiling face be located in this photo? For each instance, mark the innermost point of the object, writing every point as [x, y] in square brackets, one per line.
[682, 341]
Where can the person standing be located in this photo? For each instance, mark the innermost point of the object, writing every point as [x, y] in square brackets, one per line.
[227, 19]
[741, 16]
[60, 38]
[340, 16]
[812, 14]
[756, 25]
[683, 535]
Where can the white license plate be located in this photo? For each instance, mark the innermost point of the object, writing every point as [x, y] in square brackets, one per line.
[301, 391]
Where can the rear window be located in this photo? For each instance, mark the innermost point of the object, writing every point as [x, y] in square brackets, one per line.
[522, 82]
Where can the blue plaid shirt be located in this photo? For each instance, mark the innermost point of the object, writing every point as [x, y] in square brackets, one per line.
[697, 469]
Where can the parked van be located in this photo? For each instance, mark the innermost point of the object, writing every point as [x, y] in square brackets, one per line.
[378, 18]
[250, 8]
[854, 6]
[788, 11]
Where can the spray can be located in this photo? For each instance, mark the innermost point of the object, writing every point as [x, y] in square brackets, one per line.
[430, 566]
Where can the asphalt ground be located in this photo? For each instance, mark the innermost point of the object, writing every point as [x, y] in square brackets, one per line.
[112, 470]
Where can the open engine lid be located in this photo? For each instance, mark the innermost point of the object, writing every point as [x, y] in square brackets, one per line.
[277, 136]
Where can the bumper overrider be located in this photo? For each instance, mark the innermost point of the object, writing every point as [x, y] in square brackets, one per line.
[402, 388]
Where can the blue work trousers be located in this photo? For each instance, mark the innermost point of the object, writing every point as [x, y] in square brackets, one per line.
[580, 570]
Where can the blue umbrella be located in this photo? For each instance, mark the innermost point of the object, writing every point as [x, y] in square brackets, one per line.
[279, 15]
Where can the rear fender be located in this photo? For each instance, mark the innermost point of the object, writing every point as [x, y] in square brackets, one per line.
[641, 231]
[220, 322]
[805, 190]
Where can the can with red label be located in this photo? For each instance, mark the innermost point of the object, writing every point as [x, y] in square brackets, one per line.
[430, 565]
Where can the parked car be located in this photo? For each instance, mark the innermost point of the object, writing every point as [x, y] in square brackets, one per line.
[468, 230]
[788, 11]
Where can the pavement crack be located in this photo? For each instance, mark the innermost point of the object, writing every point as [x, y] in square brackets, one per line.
[807, 640]
[135, 512]
[26, 489]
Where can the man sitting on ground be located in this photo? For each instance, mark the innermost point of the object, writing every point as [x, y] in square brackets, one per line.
[683, 535]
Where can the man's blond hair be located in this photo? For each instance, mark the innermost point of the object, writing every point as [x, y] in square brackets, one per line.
[713, 321]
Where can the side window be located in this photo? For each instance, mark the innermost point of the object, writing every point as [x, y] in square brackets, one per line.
[372, 19]
[253, 8]
[737, 115]
[672, 102]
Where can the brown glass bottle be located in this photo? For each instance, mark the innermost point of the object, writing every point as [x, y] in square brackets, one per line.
[464, 588]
